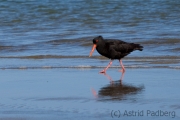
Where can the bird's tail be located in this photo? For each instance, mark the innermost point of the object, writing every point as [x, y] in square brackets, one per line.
[138, 47]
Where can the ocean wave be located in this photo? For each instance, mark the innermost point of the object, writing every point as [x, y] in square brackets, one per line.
[89, 67]
[161, 41]
[139, 58]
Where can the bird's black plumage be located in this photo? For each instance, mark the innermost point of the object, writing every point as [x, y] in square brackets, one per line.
[114, 49]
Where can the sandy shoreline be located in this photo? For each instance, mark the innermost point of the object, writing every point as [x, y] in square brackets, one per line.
[86, 94]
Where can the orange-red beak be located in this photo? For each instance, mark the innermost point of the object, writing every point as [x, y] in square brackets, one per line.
[93, 48]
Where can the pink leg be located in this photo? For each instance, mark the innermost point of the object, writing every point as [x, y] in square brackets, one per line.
[123, 69]
[104, 71]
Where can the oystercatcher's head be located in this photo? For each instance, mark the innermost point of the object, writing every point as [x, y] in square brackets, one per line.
[96, 40]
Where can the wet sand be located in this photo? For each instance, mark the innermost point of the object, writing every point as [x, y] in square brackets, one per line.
[71, 93]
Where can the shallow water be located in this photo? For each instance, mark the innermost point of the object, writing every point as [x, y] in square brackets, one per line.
[35, 31]
[68, 93]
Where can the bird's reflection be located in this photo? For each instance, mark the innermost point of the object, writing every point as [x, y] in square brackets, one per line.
[117, 90]
[111, 80]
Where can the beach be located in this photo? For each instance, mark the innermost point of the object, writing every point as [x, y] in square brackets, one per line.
[46, 72]
[86, 94]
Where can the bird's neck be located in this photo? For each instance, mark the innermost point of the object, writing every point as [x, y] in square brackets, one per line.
[101, 45]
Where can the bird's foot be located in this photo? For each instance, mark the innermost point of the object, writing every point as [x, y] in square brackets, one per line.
[103, 71]
[122, 70]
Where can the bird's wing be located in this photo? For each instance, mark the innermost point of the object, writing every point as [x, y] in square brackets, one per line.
[123, 48]
[119, 49]
[119, 46]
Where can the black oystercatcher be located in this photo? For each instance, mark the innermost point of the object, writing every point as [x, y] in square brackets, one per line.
[113, 49]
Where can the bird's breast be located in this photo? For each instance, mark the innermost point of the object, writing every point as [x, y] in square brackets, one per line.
[103, 51]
